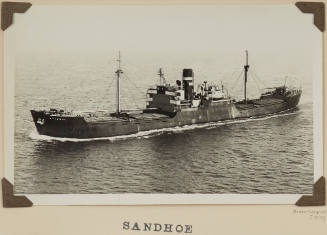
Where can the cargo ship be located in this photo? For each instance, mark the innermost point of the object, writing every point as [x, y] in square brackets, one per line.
[166, 106]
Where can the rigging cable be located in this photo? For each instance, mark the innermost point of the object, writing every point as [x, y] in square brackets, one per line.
[130, 80]
[260, 80]
[237, 79]
[132, 64]
[112, 80]
[255, 81]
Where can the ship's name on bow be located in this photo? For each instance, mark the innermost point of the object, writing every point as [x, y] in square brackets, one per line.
[157, 227]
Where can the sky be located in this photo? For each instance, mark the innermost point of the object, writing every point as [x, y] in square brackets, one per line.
[162, 27]
[277, 36]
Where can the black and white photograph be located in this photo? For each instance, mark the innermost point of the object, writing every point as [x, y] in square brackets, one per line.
[164, 101]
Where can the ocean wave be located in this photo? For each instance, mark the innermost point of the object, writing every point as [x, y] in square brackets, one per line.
[155, 132]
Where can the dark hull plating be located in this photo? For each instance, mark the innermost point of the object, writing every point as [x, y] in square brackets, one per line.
[78, 127]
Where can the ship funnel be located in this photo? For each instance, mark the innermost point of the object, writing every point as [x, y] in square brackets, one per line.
[188, 83]
[187, 74]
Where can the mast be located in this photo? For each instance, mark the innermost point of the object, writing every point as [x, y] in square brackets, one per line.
[246, 68]
[161, 75]
[118, 72]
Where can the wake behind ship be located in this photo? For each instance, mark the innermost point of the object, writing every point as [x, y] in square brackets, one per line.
[167, 106]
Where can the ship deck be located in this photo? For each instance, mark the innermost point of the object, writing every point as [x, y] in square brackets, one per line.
[258, 102]
[105, 116]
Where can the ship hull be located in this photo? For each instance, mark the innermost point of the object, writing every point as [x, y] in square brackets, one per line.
[78, 127]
